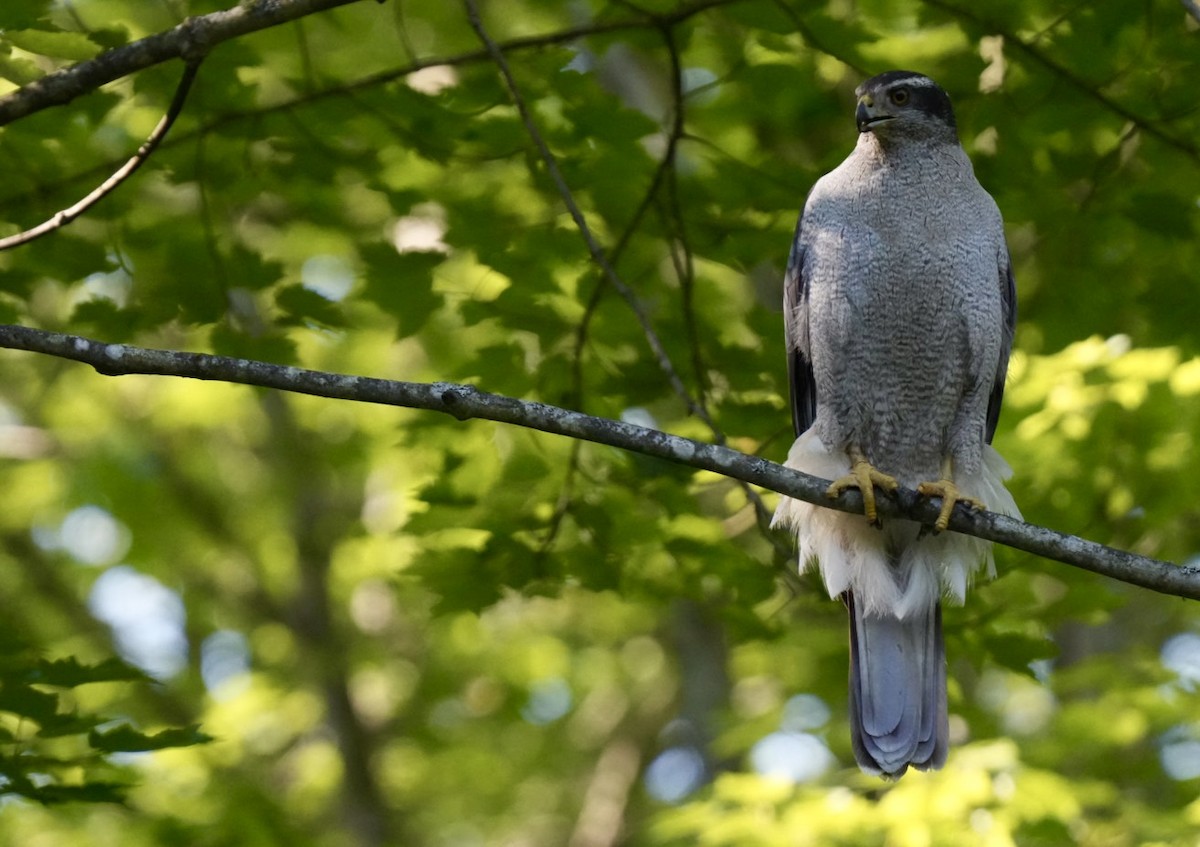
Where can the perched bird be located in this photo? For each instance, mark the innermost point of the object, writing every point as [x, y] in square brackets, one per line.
[899, 306]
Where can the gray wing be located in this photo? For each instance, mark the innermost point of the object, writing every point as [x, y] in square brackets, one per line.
[1009, 302]
[795, 324]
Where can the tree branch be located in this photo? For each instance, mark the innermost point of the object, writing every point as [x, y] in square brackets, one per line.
[191, 39]
[465, 402]
[61, 219]
[200, 34]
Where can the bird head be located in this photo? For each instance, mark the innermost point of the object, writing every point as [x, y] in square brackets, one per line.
[904, 104]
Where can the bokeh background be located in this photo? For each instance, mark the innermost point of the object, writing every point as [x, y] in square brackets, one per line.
[397, 628]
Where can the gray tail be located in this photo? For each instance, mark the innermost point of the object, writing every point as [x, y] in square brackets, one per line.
[897, 691]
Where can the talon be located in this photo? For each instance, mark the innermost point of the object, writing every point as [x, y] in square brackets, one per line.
[950, 494]
[864, 477]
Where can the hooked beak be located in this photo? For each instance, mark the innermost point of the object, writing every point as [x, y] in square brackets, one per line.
[868, 114]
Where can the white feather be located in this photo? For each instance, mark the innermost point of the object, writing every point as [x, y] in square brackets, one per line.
[896, 569]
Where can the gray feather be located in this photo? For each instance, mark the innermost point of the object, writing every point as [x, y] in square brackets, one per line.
[899, 307]
[898, 712]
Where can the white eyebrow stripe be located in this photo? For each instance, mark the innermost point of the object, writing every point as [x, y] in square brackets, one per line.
[914, 82]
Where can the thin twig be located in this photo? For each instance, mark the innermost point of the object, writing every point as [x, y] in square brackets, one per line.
[465, 402]
[61, 219]
[306, 60]
[685, 269]
[623, 241]
[593, 246]
[562, 505]
[681, 252]
[811, 39]
[1148, 126]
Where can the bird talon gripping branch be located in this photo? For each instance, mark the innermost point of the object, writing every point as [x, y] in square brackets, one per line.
[951, 495]
[863, 476]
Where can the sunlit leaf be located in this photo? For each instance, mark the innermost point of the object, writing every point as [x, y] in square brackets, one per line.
[59, 45]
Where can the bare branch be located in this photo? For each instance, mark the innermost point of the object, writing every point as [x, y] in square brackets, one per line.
[61, 219]
[465, 402]
[190, 40]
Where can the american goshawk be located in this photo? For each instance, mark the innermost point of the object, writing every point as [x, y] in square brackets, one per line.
[899, 305]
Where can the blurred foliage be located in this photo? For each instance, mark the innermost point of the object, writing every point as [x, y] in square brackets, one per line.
[400, 629]
[46, 738]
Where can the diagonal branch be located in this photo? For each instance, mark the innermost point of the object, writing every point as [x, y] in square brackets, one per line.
[1148, 126]
[597, 252]
[192, 38]
[465, 402]
[61, 219]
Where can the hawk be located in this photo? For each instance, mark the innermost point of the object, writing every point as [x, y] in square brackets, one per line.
[899, 306]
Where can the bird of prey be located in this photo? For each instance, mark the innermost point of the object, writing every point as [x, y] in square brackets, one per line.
[899, 307]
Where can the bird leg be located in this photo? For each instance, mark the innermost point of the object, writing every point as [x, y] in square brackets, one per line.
[950, 494]
[864, 477]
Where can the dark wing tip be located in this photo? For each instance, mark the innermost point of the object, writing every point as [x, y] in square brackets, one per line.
[801, 381]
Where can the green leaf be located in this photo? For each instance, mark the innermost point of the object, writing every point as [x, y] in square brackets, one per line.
[28, 702]
[1017, 652]
[454, 578]
[69, 723]
[9, 311]
[109, 38]
[402, 284]
[19, 70]
[73, 46]
[763, 16]
[70, 672]
[24, 15]
[268, 348]
[88, 792]
[104, 318]
[1164, 214]
[304, 304]
[252, 270]
[126, 739]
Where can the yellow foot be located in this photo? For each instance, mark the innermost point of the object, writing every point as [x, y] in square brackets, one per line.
[950, 494]
[864, 477]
